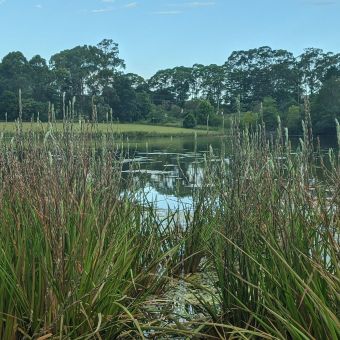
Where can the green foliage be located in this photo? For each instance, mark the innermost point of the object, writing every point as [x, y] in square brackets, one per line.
[189, 121]
[326, 107]
[249, 118]
[74, 246]
[246, 79]
[269, 237]
[82, 258]
[203, 111]
[215, 120]
[144, 105]
[270, 113]
[261, 72]
[9, 105]
[294, 119]
[122, 98]
[158, 114]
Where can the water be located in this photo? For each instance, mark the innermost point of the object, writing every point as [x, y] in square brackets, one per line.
[165, 170]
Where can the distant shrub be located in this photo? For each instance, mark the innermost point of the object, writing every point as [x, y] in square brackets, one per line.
[189, 121]
[176, 111]
[215, 120]
[249, 118]
[203, 111]
[293, 119]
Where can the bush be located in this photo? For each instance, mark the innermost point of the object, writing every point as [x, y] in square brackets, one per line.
[203, 111]
[293, 119]
[189, 121]
[215, 120]
[249, 118]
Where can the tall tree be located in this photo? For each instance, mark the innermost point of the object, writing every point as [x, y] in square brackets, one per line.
[42, 85]
[257, 73]
[326, 107]
[213, 83]
[108, 65]
[14, 72]
[314, 65]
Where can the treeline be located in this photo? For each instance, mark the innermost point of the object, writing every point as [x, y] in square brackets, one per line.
[258, 84]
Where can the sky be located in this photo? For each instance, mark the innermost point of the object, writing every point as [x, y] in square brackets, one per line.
[159, 34]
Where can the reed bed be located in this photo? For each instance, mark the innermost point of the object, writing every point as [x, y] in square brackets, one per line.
[78, 257]
[81, 258]
[272, 239]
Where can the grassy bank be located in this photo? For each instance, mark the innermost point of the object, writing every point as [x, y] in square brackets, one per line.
[81, 258]
[125, 130]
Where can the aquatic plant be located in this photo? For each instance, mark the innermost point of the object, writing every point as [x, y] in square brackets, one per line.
[82, 257]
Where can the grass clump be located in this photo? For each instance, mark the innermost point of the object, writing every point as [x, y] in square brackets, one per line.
[81, 257]
[274, 240]
[78, 257]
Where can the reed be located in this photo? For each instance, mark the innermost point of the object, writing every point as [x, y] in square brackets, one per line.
[78, 256]
[81, 257]
[274, 239]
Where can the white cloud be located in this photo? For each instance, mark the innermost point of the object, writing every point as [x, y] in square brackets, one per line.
[131, 5]
[38, 6]
[102, 10]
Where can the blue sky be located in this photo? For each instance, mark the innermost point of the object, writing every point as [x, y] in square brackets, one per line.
[157, 34]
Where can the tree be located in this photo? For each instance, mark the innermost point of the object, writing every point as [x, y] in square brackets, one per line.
[121, 97]
[270, 113]
[33, 108]
[138, 82]
[171, 85]
[248, 78]
[249, 118]
[9, 105]
[14, 73]
[73, 68]
[86, 70]
[314, 66]
[41, 83]
[197, 75]
[189, 121]
[144, 105]
[294, 119]
[203, 111]
[213, 84]
[107, 65]
[326, 107]
[181, 81]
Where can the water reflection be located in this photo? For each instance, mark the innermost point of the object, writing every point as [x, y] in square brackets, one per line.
[166, 170]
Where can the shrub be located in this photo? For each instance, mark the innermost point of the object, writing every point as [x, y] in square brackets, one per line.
[189, 121]
[215, 120]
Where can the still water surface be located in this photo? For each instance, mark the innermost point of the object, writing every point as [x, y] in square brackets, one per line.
[166, 170]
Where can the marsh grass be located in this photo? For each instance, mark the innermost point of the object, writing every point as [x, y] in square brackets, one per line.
[121, 130]
[78, 257]
[274, 239]
[82, 258]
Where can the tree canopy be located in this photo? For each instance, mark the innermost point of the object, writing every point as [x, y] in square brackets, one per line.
[260, 84]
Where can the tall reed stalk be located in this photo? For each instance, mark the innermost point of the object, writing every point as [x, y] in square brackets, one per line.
[80, 257]
[274, 239]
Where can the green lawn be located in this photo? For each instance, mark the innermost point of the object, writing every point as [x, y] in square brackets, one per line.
[119, 129]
